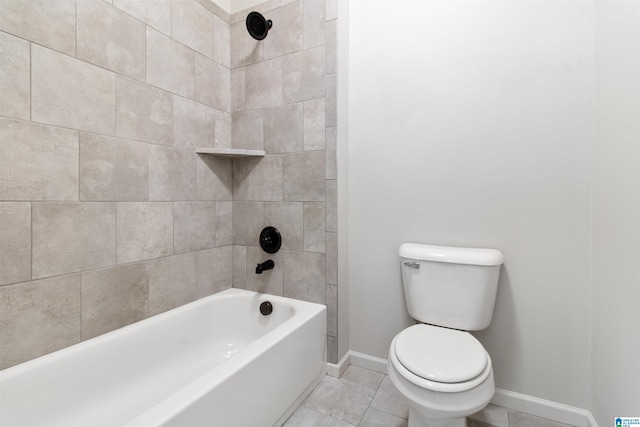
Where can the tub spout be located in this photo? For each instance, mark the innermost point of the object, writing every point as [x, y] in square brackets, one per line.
[267, 265]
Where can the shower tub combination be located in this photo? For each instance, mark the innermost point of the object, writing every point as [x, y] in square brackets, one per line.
[214, 362]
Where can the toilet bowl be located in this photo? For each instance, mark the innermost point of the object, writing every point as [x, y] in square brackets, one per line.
[445, 374]
[441, 369]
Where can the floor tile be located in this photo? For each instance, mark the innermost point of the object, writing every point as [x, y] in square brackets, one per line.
[307, 417]
[520, 419]
[366, 398]
[376, 418]
[363, 376]
[471, 422]
[342, 399]
[389, 400]
[492, 415]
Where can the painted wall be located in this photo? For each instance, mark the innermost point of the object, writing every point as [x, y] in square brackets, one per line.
[470, 124]
[615, 321]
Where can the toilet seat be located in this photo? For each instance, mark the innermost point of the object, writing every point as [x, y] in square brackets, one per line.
[440, 354]
[440, 359]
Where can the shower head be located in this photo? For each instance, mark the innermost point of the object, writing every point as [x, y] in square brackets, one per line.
[257, 26]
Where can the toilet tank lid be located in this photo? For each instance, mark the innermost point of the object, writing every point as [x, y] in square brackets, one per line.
[472, 256]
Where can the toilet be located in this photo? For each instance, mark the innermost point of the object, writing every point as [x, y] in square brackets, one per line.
[440, 368]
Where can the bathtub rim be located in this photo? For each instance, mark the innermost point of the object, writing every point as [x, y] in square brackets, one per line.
[36, 362]
[179, 398]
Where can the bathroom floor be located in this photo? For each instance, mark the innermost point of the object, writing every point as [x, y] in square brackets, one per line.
[366, 398]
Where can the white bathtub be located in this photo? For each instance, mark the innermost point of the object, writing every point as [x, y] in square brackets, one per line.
[214, 362]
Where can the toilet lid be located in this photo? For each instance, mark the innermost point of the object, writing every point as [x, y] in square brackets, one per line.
[440, 354]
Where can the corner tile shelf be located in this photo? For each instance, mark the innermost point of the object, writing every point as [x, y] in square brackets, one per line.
[231, 152]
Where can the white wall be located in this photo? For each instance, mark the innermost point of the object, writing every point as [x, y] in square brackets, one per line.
[470, 125]
[616, 233]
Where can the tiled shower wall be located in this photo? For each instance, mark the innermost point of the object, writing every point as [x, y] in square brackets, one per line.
[283, 100]
[107, 214]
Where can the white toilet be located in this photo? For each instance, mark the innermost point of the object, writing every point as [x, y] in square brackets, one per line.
[442, 370]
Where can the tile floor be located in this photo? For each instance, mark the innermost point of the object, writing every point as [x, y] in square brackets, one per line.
[366, 398]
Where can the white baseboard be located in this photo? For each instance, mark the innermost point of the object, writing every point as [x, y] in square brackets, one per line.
[543, 408]
[507, 399]
[361, 360]
[371, 363]
[591, 421]
[337, 369]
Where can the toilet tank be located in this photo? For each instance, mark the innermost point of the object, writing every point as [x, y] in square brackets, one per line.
[451, 287]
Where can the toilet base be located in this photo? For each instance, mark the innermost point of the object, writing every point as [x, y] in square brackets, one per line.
[415, 420]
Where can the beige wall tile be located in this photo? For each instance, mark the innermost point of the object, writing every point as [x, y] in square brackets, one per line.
[263, 84]
[194, 124]
[155, 13]
[192, 25]
[71, 237]
[224, 223]
[108, 169]
[145, 231]
[170, 65]
[15, 242]
[143, 112]
[245, 49]
[331, 46]
[304, 176]
[173, 281]
[194, 226]
[284, 129]
[213, 83]
[264, 178]
[223, 129]
[237, 90]
[214, 178]
[304, 276]
[314, 233]
[332, 205]
[239, 179]
[113, 169]
[15, 78]
[331, 111]
[332, 258]
[332, 9]
[37, 162]
[110, 38]
[46, 22]
[247, 130]
[288, 219]
[303, 75]
[332, 350]
[239, 267]
[314, 126]
[172, 174]
[331, 148]
[265, 8]
[314, 22]
[71, 93]
[248, 222]
[113, 298]
[221, 42]
[331, 296]
[38, 318]
[286, 34]
[270, 281]
[214, 270]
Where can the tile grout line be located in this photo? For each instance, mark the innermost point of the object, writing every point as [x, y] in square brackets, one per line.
[370, 402]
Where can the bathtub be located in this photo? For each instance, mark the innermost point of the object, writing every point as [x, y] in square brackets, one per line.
[214, 362]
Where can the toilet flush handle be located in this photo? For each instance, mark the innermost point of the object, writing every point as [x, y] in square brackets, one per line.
[412, 264]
